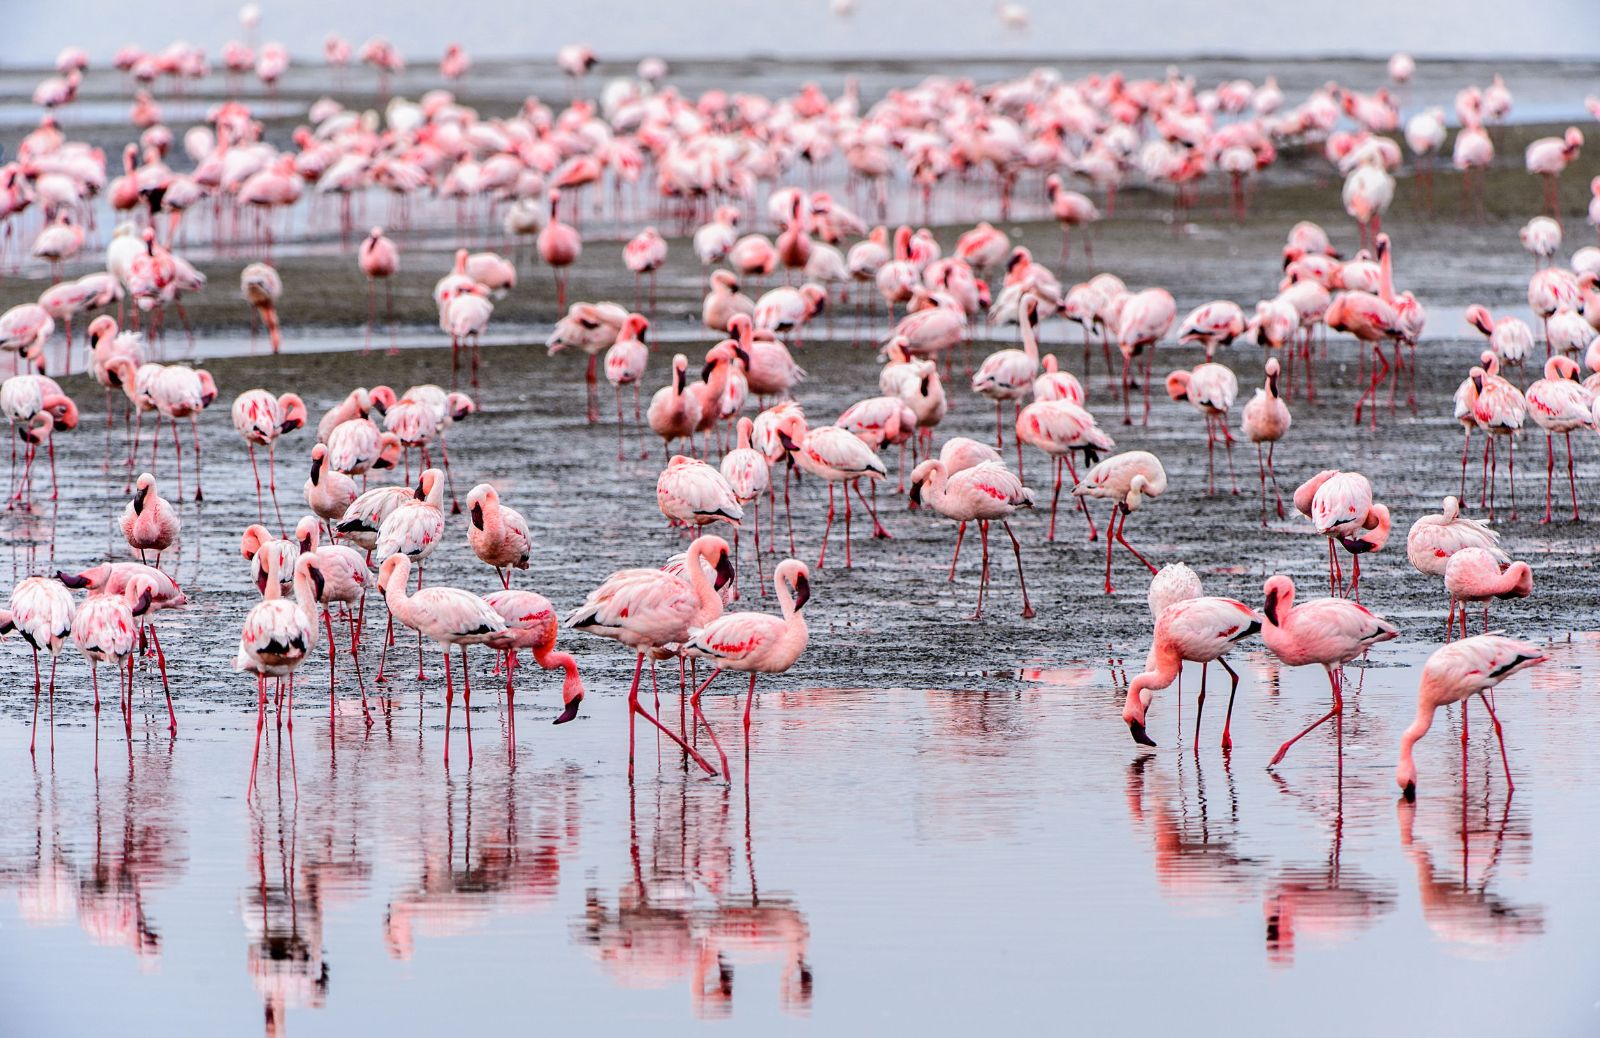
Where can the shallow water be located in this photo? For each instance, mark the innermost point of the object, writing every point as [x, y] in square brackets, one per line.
[944, 821]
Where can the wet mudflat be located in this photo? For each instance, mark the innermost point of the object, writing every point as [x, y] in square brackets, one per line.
[943, 819]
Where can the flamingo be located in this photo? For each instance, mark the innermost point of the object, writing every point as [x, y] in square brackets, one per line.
[113, 578]
[1211, 389]
[593, 328]
[1125, 480]
[41, 611]
[532, 624]
[260, 418]
[1070, 210]
[465, 315]
[559, 246]
[149, 522]
[261, 287]
[648, 610]
[1213, 324]
[674, 412]
[834, 455]
[497, 532]
[724, 303]
[1547, 157]
[754, 643]
[179, 391]
[1453, 674]
[1500, 411]
[1559, 404]
[277, 636]
[1009, 374]
[748, 475]
[690, 492]
[1340, 506]
[341, 577]
[1146, 317]
[625, 363]
[447, 617]
[1198, 630]
[103, 629]
[379, 260]
[1059, 427]
[328, 492]
[1326, 631]
[983, 494]
[1475, 574]
[1177, 582]
[1266, 420]
[645, 253]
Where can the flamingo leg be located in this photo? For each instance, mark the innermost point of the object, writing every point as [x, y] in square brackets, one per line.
[1336, 681]
[1016, 549]
[700, 718]
[1499, 735]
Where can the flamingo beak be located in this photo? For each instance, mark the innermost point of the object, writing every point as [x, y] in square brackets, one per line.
[725, 573]
[1410, 792]
[138, 501]
[787, 441]
[317, 581]
[143, 605]
[72, 580]
[477, 515]
[916, 493]
[1139, 736]
[571, 709]
[802, 591]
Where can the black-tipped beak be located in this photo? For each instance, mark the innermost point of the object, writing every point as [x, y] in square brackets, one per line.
[72, 580]
[916, 493]
[421, 494]
[1410, 792]
[477, 515]
[705, 372]
[570, 711]
[317, 582]
[725, 572]
[1139, 735]
[143, 605]
[316, 471]
[1477, 382]
[788, 443]
[744, 358]
[379, 406]
[138, 500]
[927, 381]
[802, 591]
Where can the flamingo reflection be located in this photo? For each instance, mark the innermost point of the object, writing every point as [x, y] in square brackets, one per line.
[680, 920]
[478, 869]
[1458, 902]
[1197, 856]
[283, 917]
[1329, 902]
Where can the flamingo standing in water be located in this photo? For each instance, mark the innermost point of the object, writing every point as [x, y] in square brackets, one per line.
[1547, 157]
[1009, 374]
[1211, 389]
[648, 610]
[532, 624]
[277, 636]
[1559, 404]
[1454, 674]
[983, 494]
[625, 363]
[559, 246]
[379, 260]
[1326, 631]
[1145, 317]
[1059, 427]
[447, 617]
[748, 474]
[834, 455]
[261, 287]
[754, 643]
[1070, 209]
[149, 522]
[1125, 480]
[1339, 505]
[1266, 420]
[1476, 575]
[41, 611]
[644, 254]
[260, 418]
[103, 629]
[592, 328]
[1198, 630]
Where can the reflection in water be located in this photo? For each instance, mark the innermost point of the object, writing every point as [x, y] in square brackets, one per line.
[1197, 859]
[283, 919]
[1454, 885]
[137, 847]
[499, 869]
[1329, 902]
[680, 918]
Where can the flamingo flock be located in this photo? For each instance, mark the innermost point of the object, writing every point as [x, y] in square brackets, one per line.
[646, 172]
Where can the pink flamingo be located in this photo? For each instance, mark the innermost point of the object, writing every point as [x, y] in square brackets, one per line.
[1326, 631]
[113, 578]
[648, 610]
[1559, 404]
[41, 611]
[1059, 427]
[379, 260]
[103, 629]
[674, 412]
[260, 418]
[341, 577]
[262, 288]
[645, 253]
[180, 391]
[559, 246]
[754, 643]
[1453, 674]
[1476, 575]
[1009, 374]
[1501, 411]
[1146, 317]
[724, 303]
[1125, 480]
[1211, 389]
[625, 363]
[465, 316]
[532, 624]
[1547, 157]
[690, 492]
[983, 494]
[498, 533]
[1213, 324]
[1266, 420]
[1198, 630]
[1433, 539]
[328, 492]
[748, 475]
[1340, 506]
[834, 455]
[1070, 210]
[149, 522]
[447, 617]
[277, 636]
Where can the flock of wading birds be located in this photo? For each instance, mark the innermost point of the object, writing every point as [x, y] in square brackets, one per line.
[718, 149]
